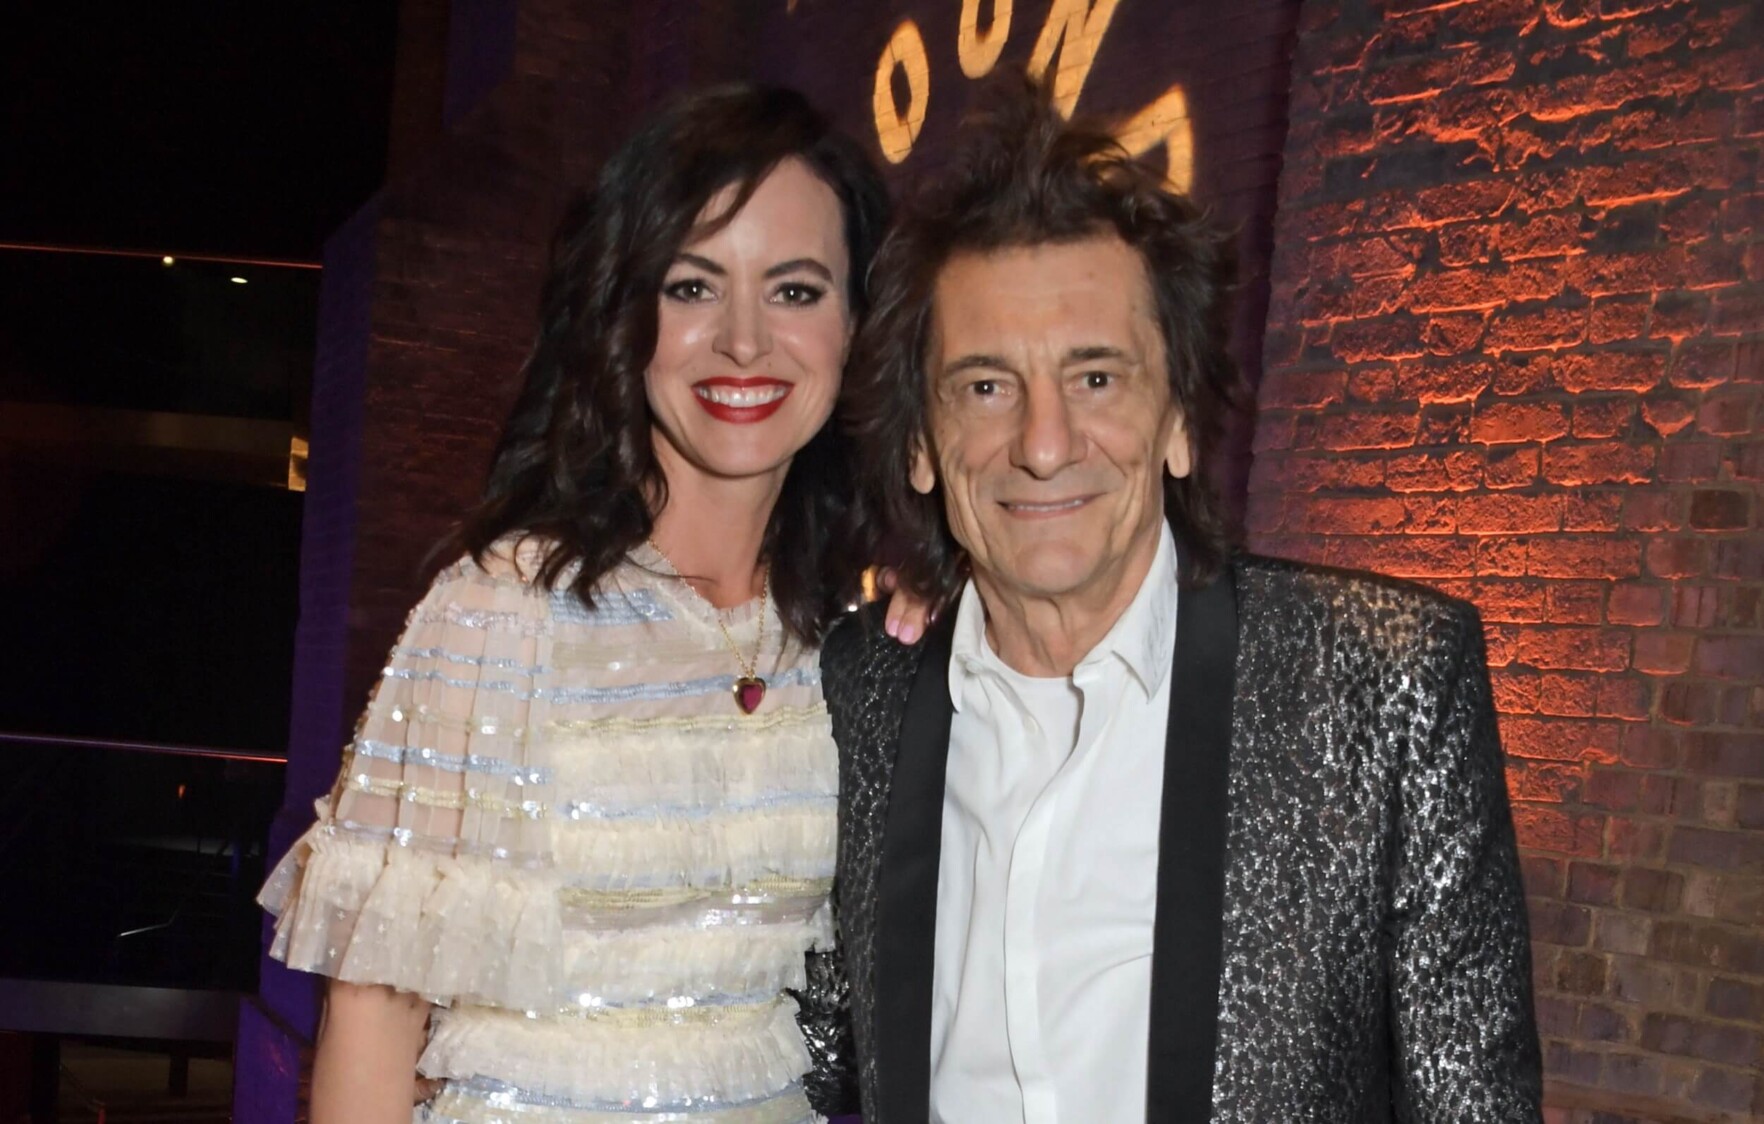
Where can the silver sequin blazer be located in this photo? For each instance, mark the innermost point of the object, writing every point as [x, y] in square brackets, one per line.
[1340, 930]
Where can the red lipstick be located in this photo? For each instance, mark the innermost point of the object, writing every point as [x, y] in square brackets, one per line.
[741, 401]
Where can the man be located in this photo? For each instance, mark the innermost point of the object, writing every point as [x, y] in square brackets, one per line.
[1146, 828]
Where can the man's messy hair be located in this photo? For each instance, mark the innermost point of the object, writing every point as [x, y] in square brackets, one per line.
[1023, 176]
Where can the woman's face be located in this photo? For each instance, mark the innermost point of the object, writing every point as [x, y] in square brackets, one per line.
[752, 334]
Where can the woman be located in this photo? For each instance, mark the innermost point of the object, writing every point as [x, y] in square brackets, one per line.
[584, 834]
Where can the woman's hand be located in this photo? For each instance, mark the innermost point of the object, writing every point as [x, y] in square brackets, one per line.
[908, 618]
[364, 1070]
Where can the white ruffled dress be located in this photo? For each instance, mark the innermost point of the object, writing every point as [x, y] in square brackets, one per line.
[555, 823]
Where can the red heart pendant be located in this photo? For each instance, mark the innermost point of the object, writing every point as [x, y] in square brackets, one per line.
[748, 693]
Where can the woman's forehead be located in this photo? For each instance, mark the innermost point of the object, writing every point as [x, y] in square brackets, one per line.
[791, 206]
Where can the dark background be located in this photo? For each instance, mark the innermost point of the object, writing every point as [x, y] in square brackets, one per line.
[247, 129]
[151, 579]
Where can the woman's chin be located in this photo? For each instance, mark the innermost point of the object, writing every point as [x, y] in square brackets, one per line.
[732, 467]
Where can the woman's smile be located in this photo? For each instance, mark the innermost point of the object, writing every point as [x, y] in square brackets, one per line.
[741, 400]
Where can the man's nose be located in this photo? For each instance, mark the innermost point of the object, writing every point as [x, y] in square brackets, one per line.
[743, 337]
[1048, 439]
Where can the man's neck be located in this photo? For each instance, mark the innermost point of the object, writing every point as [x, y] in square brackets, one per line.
[1048, 636]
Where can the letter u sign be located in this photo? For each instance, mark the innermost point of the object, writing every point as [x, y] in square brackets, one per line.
[1074, 31]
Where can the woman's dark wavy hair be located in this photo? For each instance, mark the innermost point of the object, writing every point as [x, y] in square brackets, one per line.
[574, 467]
[1023, 176]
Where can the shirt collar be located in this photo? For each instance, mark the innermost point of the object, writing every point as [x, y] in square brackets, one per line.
[1143, 639]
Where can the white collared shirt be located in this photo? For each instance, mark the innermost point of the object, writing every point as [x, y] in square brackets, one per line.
[1047, 882]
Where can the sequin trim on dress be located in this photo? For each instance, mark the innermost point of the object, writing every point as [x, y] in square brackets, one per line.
[478, 1100]
[482, 620]
[651, 897]
[499, 663]
[497, 686]
[711, 685]
[443, 845]
[611, 608]
[782, 716]
[593, 810]
[451, 799]
[743, 1053]
[469, 763]
[489, 1087]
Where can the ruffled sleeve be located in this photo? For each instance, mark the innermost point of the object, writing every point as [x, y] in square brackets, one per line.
[430, 868]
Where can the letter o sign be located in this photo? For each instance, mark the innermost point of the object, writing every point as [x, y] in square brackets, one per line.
[897, 129]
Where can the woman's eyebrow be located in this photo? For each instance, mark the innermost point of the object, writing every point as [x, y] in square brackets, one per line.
[809, 265]
[703, 263]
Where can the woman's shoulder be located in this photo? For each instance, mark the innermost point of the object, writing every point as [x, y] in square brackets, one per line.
[503, 584]
[513, 561]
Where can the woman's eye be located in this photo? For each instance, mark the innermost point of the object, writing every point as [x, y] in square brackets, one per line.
[689, 289]
[797, 292]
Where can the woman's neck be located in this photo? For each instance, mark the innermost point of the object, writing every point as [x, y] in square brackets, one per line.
[712, 530]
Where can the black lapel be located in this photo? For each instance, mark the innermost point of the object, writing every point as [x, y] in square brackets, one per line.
[906, 902]
[1191, 857]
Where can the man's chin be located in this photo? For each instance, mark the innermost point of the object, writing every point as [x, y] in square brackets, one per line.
[1048, 573]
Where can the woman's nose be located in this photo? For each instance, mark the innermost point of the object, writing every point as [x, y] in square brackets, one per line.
[743, 336]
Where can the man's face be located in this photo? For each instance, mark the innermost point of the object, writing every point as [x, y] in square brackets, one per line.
[1051, 421]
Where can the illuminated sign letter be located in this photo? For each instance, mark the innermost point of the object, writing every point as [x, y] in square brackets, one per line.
[894, 129]
[1082, 27]
[1164, 122]
[979, 53]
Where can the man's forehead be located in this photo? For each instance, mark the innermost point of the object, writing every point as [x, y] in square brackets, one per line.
[1070, 294]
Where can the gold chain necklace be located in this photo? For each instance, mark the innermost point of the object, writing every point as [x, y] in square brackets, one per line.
[749, 689]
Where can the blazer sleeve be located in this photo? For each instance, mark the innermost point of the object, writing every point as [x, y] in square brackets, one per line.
[824, 1014]
[824, 1005]
[1466, 1039]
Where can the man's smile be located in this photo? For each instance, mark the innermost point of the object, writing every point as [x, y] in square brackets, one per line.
[1037, 509]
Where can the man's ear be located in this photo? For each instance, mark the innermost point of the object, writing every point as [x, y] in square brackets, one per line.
[1179, 456]
[923, 475]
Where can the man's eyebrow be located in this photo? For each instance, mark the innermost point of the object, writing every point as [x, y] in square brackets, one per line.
[1097, 351]
[975, 362]
[981, 361]
[805, 265]
[705, 264]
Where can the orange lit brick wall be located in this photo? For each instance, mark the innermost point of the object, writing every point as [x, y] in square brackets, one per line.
[1516, 350]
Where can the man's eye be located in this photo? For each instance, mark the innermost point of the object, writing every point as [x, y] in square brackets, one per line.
[983, 388]
[689, 289]
[1097, 380]
[797, 292]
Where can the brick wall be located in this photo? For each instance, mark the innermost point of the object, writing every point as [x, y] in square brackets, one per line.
[1515, 349]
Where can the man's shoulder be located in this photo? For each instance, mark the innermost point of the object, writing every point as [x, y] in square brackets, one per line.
[858, 650]
[1380, 609]
[1288, 577]
[866, 678]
